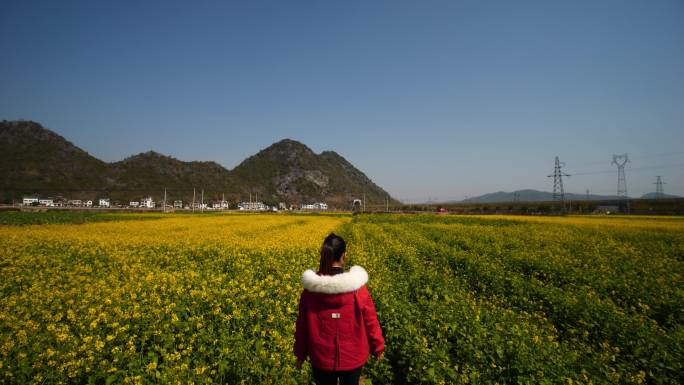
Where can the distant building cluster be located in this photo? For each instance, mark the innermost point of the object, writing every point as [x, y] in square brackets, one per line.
[252, 206]
[149, 203]
[260, 206]
[319, 206]
[62, 202]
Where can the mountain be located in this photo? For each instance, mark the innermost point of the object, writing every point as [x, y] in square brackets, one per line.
[531, 196]
[35, 160]
[290, 170]
[654, 195]
[149, 169]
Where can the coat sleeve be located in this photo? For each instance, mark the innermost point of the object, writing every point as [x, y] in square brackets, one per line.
[373, 331]
[301, 346]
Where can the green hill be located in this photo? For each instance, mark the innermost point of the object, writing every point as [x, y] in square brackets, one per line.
[150, 173]
[37, 161]
[34, 160]
[290, 170]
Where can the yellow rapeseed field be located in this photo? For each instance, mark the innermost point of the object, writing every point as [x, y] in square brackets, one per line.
[198, 299]
[185, 299]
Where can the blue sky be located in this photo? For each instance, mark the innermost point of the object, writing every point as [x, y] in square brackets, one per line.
[433, 99]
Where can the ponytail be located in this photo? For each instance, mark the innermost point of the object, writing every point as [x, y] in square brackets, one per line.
[331, 251]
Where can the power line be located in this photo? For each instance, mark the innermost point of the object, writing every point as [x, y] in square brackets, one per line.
[637, 158]
[594, 172]
[658, 155]
[631, 169]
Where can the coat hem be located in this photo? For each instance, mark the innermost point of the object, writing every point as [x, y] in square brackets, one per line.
[339, 369]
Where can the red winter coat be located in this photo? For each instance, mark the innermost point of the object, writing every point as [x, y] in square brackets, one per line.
[337, 325]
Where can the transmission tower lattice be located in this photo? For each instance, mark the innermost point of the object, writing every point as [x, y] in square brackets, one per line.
[660, 193]
[620, 161]
[558, 193]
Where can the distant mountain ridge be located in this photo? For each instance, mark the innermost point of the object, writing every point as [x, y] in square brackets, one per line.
[529, 195]
[654, 195]
[35, 160]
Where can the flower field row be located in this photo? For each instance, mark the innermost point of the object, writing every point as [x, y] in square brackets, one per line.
[526, 300]
[188, 299]
[213, 299]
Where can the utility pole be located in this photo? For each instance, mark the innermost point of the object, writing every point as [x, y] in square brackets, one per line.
[193, 199]
[620, 161]
[164, 204]
[202, 204]
[387, 203]
[660, 193]
[558, 192]
[364, 201]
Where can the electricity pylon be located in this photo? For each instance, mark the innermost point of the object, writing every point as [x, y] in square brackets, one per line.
[660, 194]
[558, 192]
[620, 161]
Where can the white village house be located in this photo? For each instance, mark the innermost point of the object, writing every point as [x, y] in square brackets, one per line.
[222, 205]
[255, 206]
[46, 202]
[29, 201]
[104, 202]
[315, 206]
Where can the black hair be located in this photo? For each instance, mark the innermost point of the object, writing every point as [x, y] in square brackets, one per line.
[333, 248]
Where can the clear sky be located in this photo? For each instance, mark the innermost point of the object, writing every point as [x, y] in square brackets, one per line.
[431, 99]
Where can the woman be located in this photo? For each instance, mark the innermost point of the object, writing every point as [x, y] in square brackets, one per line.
[337, 325]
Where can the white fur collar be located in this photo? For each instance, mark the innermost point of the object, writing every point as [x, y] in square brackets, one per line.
[334, 284]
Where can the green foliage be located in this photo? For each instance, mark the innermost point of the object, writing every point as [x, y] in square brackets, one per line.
[54, 217]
